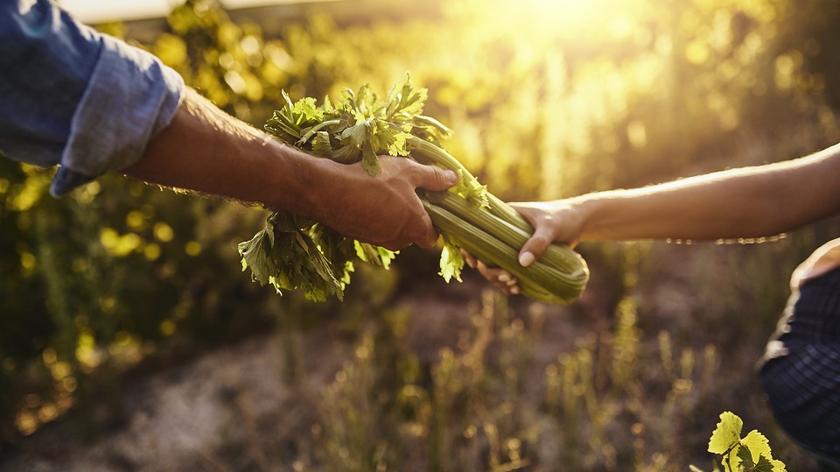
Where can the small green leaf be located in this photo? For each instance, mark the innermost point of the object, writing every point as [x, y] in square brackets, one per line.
[321, 145]
[757, 444]
[726, 434]
[451, 261]
[356, 134]
[744, 458]
[328, 105]
[763, 465]
[470, 189]
[386, 256]
[256, 255]
[370, 162]
[397, 147]
[376, 255]
[306, 110]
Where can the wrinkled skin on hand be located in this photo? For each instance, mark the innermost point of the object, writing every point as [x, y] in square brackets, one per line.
[384, 209]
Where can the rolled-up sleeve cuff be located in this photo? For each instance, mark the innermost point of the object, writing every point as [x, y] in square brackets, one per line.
[130, 96]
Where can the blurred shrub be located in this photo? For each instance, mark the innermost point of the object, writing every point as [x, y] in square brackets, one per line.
[609, 404]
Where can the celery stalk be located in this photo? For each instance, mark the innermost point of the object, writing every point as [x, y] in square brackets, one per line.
[573, 268]
[538, 281]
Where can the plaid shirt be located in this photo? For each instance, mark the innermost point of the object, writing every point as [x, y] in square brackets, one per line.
[802, 372]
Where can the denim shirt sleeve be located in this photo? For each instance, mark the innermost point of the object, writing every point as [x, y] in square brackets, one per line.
[75, 97]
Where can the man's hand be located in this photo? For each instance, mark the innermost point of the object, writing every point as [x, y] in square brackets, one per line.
[384, 210]
[206, 150]
[556, 221]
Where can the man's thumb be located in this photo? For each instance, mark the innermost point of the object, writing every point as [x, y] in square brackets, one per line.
[434, 178]
[535, 246]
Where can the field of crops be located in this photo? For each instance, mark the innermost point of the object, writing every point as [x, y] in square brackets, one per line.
[124, 299]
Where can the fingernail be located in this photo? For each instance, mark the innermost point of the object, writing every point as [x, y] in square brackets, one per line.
[514, 290]
[526, 259]
[451, 177]
[504, 277]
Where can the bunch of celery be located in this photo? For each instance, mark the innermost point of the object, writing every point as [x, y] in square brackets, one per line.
[291, 253]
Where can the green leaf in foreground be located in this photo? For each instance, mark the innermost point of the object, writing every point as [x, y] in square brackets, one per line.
[726, 434]
[749, 454]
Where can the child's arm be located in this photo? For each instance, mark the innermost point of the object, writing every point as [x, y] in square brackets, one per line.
[747, 202]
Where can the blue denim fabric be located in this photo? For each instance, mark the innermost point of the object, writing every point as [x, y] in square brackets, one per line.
[75, 97]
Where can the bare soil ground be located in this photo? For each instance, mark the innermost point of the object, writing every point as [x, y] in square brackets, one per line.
[230, 409]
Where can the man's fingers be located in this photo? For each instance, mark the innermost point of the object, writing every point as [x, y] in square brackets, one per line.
[535, 246]
[433, 178]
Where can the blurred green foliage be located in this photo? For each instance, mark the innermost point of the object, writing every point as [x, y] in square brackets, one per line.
[547, 100]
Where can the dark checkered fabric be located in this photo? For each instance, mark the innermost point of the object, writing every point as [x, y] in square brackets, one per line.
[802, 379]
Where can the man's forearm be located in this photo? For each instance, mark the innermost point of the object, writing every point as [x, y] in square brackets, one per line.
[749, 202]
[205, 150]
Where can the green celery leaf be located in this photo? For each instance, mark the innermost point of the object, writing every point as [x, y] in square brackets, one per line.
[376, 255]
[471, 189]
[321, 145]
[256, 255]
[356, 134]
[306, 110]
[451, 260]
[397, 146]
[370, 162]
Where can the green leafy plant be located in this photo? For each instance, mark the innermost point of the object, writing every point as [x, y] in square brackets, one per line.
[750, 453]
[292, 253]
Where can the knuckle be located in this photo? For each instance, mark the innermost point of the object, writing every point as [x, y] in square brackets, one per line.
[437, 176]
[549, 220]
[409, 167]
[540, 240]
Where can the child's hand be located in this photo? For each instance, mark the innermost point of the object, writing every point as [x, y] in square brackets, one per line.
[556, 221]
[500, 278]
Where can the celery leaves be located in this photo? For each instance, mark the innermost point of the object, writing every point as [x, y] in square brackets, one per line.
[293, 254]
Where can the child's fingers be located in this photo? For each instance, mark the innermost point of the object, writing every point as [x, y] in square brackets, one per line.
[490, 273]
[468, 258]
